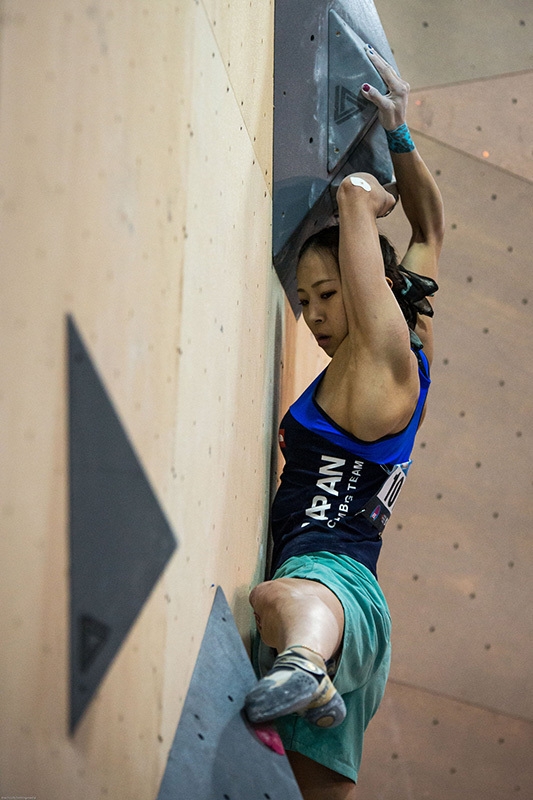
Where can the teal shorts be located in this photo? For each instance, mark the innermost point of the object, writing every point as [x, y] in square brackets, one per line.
[363, 666]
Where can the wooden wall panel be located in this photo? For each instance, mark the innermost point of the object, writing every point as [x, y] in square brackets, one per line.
[431, 747]
[247, 51]
[439, 43]
[135, 196]
[477, 118]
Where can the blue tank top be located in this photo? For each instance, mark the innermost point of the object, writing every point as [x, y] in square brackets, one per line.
[337, 492]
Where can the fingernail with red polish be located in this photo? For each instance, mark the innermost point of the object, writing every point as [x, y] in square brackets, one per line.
[366, 87]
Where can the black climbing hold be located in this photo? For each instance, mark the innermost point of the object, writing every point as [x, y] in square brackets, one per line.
[120, 539]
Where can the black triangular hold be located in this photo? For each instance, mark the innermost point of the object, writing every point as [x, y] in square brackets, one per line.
[93, 636]
[346, 104]
[348, 68]
[120, 539]
[215, 753]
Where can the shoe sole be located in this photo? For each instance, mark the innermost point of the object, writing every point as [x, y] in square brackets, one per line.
[329, 715]
[322, 706]
[265, 703]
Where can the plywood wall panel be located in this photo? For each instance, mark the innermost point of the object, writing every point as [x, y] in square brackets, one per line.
[241, 29]
[132, 197]
[436, 43]
[302, 359]
[490, 119]
[428, 746]
[456, 562]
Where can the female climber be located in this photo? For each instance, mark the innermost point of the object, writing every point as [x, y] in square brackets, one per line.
[347, 442]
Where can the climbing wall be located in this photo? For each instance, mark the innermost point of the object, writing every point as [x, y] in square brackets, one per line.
[135, 202]
[136, 197]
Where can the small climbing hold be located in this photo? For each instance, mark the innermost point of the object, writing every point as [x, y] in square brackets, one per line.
[268, 735]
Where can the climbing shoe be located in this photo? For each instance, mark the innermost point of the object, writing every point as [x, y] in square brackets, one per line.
[298, 682]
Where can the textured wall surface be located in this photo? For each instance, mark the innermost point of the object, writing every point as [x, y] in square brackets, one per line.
[134, 189]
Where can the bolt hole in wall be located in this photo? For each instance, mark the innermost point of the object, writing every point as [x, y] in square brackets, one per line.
[228, 797]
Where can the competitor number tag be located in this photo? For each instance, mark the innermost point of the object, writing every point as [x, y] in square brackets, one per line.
[379, 508]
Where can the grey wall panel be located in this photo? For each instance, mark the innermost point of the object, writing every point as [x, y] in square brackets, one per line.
[323, 128]
[216, 754]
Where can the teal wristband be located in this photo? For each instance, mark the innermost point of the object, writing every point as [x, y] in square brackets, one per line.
[399, 140]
